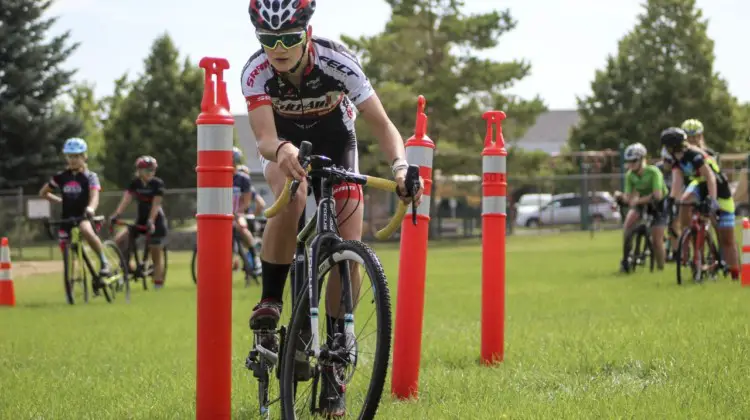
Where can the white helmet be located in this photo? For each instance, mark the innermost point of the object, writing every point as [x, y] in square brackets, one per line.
[635, 151]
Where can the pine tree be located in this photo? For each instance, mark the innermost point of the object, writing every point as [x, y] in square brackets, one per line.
[663, 74]
[32, 128]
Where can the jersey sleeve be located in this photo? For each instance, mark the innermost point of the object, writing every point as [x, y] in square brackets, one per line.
[245, 184]
[256, 73]
[56, 180]
[698, 160]
[93, 181]
[342, 62]
[159, 187]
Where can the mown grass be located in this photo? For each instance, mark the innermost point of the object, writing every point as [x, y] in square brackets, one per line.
[581, 342]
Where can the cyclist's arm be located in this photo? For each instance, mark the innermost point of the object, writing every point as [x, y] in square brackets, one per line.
[46, 192]
[677, 184]
[710, 178]
[260, 204]
[264, 129]
[657, 184]
[382, 127]
[94, 188]
[127, 198]
[627, 195]
[244, 204]
[155, 207]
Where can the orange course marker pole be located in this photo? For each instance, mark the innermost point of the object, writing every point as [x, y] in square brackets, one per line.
[494, 187]
[214, 238]
[745, 252]
[7, 291]
[407, 346]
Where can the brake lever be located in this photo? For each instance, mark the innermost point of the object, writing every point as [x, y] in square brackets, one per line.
[412, 186]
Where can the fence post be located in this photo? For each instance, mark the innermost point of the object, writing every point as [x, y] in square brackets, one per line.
[494, 218]
[622, 165]
[214, 237]
[584, 190]
[407, 343]
[21, 218]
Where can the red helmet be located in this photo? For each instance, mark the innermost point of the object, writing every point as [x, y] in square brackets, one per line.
[281, 15]
[146, 162]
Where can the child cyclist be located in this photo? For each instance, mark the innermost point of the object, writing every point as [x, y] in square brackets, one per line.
[148, 190]
[706, 183]
[79, 194]
[242, 194]
[644, 187]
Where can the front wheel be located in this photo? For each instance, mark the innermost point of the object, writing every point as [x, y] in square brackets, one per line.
[330, 377]
[118, 281]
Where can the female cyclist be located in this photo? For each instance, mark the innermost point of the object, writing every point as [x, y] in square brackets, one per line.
[300, 87]
[706, 182]
[148, 191]
[79, 189]
[644, 186]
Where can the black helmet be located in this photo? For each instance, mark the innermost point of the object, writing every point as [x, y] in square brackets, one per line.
[673, 137]
[281, 15]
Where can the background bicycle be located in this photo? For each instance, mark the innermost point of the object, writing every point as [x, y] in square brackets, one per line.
[79, 272]
[142, 265]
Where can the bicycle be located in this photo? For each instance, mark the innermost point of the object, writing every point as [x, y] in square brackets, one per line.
[641, 234]
[703, 261]
[319, 248]
[247, 267]
[144, 266]
[75, 264]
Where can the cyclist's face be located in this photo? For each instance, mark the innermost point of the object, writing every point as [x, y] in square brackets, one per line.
[145, 173]
[634, 165]
[283, 49]
[695, 140]
[75, 161]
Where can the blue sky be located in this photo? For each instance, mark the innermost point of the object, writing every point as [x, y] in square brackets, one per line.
[116, 35]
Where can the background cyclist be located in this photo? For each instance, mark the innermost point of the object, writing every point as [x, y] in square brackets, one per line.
[665, 165]
[79, 189]
[242, 194]
[707, 184]
[148, 191]
[644, 188]
[283, 84]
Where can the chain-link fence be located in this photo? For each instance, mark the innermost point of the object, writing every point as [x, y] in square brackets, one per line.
[535, 205]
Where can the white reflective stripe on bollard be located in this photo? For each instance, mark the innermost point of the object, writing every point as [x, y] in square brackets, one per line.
[215, 137]
[215, 200]
[493, 164]
[419, 155]
[746, 237]
[423, 209]
[4, 275]
[493, 205]
[745, 258]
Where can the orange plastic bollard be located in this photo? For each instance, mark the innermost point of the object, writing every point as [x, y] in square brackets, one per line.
[745, 252]
[214, 240]
[7, 291]
[494, 188]
[407, 345]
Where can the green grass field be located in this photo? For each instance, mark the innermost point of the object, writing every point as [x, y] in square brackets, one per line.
[581, 343]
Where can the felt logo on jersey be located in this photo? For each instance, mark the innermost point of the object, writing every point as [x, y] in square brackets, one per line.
[72, 188]
[256, 71]
[319, 104]
[341, 68]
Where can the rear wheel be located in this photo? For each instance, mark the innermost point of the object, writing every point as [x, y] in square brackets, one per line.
[68, 280]
[685, 258]
[636, 244]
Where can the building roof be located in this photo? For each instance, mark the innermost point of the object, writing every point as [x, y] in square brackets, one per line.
[550, 132]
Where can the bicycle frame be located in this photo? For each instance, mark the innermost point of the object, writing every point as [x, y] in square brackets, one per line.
[319, 232]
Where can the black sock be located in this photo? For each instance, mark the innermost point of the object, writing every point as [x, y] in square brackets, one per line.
[274, 279]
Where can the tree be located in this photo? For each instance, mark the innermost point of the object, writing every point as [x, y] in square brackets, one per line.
[155, 115]
[742, 119]
[430, 47]
[662, 74]
[32, 128]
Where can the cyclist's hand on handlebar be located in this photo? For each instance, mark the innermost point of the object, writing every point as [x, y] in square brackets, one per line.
[400, 178]
[288, 161]
[113, 219]
[89, 212]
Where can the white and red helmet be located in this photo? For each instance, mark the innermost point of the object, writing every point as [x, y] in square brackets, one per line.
[281, 15]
